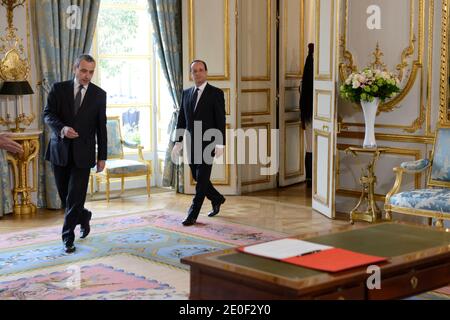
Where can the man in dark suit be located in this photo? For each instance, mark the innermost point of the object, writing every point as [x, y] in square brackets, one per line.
[76, 114]
[203, 106]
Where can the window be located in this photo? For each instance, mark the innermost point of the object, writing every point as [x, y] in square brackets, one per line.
[129, 71]
[124, 51]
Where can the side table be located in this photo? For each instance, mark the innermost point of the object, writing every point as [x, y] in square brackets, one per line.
[20, 165]
[368, 181]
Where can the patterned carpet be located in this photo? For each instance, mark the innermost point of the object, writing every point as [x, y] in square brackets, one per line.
[127, 257]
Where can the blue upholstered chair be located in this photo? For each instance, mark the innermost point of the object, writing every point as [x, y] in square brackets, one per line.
[434, 200]
[116, 165]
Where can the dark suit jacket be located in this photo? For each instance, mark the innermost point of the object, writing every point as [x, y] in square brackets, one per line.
[89, 122]
[307, 91]
[210, 111]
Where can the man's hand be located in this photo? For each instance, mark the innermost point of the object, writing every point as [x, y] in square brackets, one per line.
[218, 151]
[9, 144]
[70, 133]
[176, 150]
[100, 165]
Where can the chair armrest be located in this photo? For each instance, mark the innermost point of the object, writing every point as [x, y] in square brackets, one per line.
[415, 166]
[135, 146]
[398, 182]
[410, 167]
[130, 145]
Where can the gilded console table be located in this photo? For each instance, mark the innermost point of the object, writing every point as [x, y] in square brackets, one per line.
[20, 165]
[368, 181]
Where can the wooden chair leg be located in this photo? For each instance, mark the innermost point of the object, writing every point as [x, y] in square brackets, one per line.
[91, 182]
[97, 180]
[107, 189]
[148, 185]
[388, 215]
[122, 187]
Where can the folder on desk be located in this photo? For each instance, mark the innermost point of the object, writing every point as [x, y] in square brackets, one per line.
[283, 248]
[334, 260]
[311, 255]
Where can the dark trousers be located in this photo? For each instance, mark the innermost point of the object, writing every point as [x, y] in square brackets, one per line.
[72, 183]
[204, 188]
[308, 167]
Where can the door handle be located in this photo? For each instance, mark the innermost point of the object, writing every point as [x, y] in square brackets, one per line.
[325, 128]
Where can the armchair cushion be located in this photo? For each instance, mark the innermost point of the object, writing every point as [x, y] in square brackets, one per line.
[423, 199]
[418, 165]
[125, 166]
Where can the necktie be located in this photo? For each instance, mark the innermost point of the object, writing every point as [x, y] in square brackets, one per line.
[77, 103]
[194, 99]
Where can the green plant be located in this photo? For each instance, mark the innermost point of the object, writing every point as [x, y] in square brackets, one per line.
[369, 84]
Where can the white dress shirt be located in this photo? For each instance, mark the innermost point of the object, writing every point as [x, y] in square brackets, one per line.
[199, 95]
[76, 86]
[200, 91]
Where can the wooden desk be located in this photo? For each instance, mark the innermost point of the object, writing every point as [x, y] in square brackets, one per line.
[419, 261]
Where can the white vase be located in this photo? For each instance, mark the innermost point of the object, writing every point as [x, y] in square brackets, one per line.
[370, 113]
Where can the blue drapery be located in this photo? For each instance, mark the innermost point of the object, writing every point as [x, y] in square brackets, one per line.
[64, 30]
[166, 20]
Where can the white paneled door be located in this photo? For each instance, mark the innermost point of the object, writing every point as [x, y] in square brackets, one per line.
[324, 124]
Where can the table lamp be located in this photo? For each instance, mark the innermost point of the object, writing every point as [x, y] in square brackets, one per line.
[16, 89]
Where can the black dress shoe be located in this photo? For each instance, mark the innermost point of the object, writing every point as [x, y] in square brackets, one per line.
[216, 208]
[85, 227]
[69, 248]
[191, 217]
[189, 221]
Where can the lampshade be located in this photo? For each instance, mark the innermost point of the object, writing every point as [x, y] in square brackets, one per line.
[16, 88]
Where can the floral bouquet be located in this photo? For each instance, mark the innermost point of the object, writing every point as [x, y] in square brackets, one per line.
[369, 84]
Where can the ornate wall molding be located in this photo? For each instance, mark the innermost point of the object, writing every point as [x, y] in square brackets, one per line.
[407, 72]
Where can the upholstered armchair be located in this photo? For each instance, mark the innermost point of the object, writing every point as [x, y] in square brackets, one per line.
[116, 165]
[434, 200]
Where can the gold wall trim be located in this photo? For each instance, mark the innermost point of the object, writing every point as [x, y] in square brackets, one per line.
[258, 113]
[226, 92]
[347, 65]
[357, 194]
[192, 48]
[300, 172]
[430, 65]
[444, 120]
[301, 45]
[267, 77]
[316, 98]
[389, 137]
[318, 76]
[316, 197]
[266, 179]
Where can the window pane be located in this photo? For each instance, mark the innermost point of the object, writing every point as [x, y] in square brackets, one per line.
[165, 110]
[135, 125]
[126, 81]
[123, 31]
